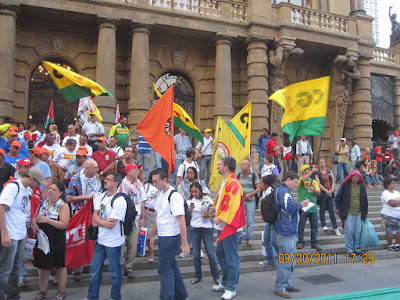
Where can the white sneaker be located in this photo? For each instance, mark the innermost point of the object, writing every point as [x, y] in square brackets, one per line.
[184, 255]
[337, 232]
[21, 282]
[202, 253]
[218, 288]
[325, 228]
[228, 295]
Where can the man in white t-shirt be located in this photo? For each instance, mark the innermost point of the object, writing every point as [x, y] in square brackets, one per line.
[391, 213]
[206, 152]
[112, 145]
[133, 187]
[50, 144]
[190, 161]
[71, 135]
[109, 239]
[171, 228]
[14, 202]
[65, 155]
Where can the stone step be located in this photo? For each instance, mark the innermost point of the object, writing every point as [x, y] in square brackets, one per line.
[336, 256]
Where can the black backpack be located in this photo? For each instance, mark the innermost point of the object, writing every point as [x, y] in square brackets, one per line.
[130, 213]
[268, 211]
[188, 216]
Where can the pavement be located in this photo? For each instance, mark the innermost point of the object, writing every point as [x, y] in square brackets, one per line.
[314, 281]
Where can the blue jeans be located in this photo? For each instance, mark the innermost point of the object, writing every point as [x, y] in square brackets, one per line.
[172, 285]
[100, 254]
[380, 167]
[341, 166]
[144, 160]
[261, 161]
[284, 271]
[249, 207]
[178, 162]
[228, 257]
[377, 178]
[270, 244]
[313, 217]
[157, 160]
[352, 230]
[205, 234]
[205, 163]
[327, 203]
[10, 262]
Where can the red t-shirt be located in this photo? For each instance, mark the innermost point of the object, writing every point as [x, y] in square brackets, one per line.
[388, 157]
[378, 150]
[103, 160]
[270, 145]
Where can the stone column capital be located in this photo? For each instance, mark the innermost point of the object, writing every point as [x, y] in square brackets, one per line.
[9, 10]
[107, 23]
[140, 28]
[221, 39]
[256, 39]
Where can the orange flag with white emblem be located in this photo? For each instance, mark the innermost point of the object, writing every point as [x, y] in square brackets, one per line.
[157, 125]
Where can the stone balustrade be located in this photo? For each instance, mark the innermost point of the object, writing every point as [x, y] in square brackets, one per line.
[385, 56]
[315, 19]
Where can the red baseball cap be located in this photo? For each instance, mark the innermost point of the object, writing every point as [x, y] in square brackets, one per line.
[16, 143]
[388, 149]
[132, 166]
[13, 128]
[24, 162]
[396, 133]
[81, 153]
[102, 138]
[45, 150]
[12, 132]
[36, 150]
[2, 153]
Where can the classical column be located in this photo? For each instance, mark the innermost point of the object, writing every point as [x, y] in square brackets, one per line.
[8, 17]
[106, 69]
[139, 100]
[357, 7]
[223, 79]
[397, 99]
[362, 121]
[257, 86]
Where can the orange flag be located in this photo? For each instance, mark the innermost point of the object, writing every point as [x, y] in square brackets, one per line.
[157, 125]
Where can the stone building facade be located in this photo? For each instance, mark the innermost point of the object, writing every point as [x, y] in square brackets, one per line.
[224, 54]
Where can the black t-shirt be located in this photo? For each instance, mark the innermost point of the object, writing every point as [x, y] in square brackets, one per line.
[6, 171]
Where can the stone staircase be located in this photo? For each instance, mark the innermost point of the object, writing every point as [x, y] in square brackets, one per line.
[249, 256]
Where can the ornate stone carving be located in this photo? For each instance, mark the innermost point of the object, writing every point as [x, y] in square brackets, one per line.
[177, 57]
[344, 67]
[395, 36]
[56, 43]
[277, 61]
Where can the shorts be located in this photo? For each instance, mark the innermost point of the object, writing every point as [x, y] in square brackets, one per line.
[392, 224]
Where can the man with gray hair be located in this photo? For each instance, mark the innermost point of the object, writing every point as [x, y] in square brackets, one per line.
[249, 181]
[51, 145]
[65, 155]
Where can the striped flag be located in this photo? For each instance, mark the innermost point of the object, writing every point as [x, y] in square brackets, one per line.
[50, 116]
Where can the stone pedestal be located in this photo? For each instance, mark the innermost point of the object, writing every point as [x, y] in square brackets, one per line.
[105, 69]
[8, 16]
[139, 100]
[362, 121]
[257, 88]
[223, 79]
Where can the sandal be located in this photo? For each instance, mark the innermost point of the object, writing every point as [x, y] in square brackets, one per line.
[196, 280]
[41, 295]
[60, 295]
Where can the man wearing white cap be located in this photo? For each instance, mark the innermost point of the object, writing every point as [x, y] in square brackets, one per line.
[343, 153]
[205, 153]
[14, 201]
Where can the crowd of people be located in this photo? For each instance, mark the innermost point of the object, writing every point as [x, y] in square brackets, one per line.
[46, 180]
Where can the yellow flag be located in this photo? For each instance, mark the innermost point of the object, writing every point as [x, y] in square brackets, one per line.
[225, 144]
[305, 105]
[241, 126]
[92, 109]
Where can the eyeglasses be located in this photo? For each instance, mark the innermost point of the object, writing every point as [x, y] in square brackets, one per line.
[109, 179]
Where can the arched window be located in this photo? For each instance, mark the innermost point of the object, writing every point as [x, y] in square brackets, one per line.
[42, 91]
[183, 90]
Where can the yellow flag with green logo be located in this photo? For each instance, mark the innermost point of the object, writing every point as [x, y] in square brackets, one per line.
[225, 144]
[305, 105]
[74, 86]
[241, 126]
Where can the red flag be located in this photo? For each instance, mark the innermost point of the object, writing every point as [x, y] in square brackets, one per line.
[157, 125]
[50, 116]
[78, 252]
[117, 115]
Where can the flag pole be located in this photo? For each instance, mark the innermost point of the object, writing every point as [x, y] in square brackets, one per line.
[115, 154]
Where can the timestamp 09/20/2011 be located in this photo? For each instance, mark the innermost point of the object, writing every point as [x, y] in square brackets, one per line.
[325, 258]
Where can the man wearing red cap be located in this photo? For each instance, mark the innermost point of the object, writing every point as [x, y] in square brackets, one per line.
[103, 157]
[35, 156]
[14, 155]
[132, 186]
[12, 136]
[6, 170]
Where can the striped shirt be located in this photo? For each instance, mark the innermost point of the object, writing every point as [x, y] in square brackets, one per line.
[143, 146]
